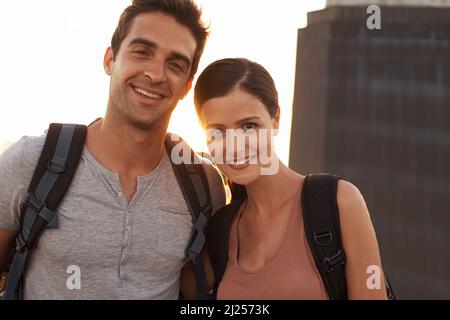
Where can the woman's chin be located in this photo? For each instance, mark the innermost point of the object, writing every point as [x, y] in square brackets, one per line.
[242, 176]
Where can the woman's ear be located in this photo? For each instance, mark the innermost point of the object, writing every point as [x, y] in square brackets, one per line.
[276, 120]
[108, 61]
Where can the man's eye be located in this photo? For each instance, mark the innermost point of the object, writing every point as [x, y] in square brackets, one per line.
[176, 66]
[141, 52]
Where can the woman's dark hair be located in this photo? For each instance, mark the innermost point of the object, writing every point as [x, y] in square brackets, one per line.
[222, 76]
[185, 12]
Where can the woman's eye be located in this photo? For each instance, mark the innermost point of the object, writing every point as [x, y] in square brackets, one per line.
[249, 126]
[214, 134]
[218, 132]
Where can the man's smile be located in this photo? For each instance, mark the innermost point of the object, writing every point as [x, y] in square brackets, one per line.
[148, 93]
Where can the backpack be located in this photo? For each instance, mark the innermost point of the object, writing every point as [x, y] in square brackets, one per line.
[52, 177]
[322, 230]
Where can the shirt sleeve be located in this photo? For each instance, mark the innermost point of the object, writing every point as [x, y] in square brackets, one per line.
[17, 164]
[9, 189]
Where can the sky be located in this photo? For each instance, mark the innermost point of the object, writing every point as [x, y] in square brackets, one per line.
[51, 59]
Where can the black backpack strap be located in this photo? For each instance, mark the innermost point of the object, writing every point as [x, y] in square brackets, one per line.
[323, 232]
[218, 235]
[389, 291]
[195, 188]
[52, 177]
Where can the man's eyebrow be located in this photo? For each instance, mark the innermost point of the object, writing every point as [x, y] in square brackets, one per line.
[144, 42]
[153, 45]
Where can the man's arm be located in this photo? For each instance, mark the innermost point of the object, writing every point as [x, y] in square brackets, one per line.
[188, 284]
[6, 248]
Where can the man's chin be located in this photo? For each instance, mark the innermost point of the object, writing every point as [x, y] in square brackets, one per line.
[148, 124]
[142, 124]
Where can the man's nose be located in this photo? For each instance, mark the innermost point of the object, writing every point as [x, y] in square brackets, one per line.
[156, 71]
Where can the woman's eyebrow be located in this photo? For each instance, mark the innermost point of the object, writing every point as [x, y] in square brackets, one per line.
[214, 125]
[241, 121]
[248, 119]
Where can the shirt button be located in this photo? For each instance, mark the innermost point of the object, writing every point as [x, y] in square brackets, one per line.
[128, 228]
[120, 194]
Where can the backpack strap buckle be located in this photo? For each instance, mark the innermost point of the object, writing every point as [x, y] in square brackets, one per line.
[335, 261]
[33, 203]
[39, 208]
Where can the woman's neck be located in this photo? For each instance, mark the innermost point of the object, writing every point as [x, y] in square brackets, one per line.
[270, 192]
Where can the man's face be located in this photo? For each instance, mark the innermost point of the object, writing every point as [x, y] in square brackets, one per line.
[150, 73]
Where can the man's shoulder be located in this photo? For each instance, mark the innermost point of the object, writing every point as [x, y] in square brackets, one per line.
[25, 151]
[17, 164]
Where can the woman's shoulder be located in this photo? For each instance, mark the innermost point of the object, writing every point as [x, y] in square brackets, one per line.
[353, 212]
[349, 197]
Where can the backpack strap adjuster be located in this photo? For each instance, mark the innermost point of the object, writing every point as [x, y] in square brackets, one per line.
[199, 240]
[33, 203]
[47, 214]
[57, 165]
[207, 210]
[335, 261]
[21, 244]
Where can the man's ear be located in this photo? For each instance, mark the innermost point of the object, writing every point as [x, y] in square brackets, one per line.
[187, 88]
[108, 61]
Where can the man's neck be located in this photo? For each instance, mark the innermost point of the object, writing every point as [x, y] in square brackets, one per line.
[124, 149]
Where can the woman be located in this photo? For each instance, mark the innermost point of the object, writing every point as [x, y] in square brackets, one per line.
[268, 254]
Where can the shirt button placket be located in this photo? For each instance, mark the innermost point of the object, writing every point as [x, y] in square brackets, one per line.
[125, 244]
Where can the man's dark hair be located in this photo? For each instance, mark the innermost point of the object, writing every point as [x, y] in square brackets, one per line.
[185, 12]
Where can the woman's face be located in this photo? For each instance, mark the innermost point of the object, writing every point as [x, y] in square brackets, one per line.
[239, 132]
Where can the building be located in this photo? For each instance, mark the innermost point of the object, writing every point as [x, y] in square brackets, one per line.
[374, 107]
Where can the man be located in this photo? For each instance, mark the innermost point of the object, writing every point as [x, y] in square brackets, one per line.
[124, 224]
